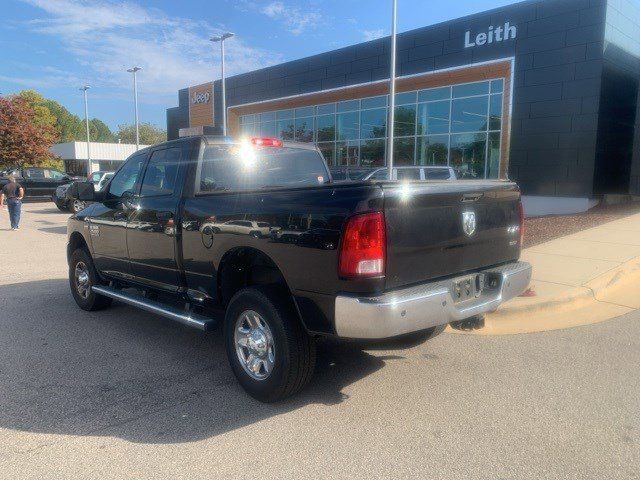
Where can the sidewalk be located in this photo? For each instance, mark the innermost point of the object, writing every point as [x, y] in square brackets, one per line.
[583, 278]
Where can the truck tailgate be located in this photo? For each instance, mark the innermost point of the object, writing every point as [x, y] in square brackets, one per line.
[426, 238]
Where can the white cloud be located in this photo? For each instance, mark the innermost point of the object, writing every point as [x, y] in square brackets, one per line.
[295, 20]
[107, 37]
[373, 34]
[274, 9]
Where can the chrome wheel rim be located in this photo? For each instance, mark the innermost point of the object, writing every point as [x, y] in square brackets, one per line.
[83, 283]
[254, 343]
[78, 205]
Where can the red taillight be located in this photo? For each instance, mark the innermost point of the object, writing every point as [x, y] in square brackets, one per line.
[363, 246]
[266, 142]
[521, 218]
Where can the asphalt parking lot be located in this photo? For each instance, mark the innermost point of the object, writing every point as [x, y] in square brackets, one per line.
[125, 394]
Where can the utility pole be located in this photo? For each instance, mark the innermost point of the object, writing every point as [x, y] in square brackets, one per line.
[392, 90]
[84, 89]
[134, 70]
[221, 39]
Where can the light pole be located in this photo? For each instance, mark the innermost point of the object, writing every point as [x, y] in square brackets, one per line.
[84, 89]
[221, 39]
[134, 70]
[392, 90]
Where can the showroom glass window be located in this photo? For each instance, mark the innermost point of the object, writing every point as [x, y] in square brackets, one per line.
[457, 125]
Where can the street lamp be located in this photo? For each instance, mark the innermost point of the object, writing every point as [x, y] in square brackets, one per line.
[392, 90]
[84, 89]
[221, 39]
[134, 70]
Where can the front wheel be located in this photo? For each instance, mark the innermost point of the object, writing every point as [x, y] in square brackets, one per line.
[270, 353]
[77, 205]
[83, 276]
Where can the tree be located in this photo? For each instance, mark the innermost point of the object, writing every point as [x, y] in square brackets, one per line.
[149, 134]
[24, 139]
[69, 127]
[100, 132]
[43, 116]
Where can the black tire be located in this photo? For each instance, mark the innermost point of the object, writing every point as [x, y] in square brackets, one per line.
[62, 208]
[295, 350]
[85, 298]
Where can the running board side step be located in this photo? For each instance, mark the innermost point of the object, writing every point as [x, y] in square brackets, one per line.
[190, 319]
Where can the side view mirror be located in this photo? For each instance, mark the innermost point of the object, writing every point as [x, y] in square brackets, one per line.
[128, 199]
[82, 191]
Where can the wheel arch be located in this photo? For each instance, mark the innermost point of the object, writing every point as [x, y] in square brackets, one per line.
[250, 265]
[76, 241]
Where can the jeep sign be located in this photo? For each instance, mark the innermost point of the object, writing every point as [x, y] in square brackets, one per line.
[200, 97]
[494, 35]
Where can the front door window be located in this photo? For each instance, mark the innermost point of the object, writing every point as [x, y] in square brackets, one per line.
[126, 178]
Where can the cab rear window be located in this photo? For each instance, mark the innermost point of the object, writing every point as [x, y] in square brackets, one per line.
[243, 167]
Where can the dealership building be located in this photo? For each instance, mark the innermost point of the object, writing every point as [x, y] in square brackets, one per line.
[100, 156]
[543, 92]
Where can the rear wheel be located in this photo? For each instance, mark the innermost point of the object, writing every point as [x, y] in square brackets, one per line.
[270, 353]
[82, 276]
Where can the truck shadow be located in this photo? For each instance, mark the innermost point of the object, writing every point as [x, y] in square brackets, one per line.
[58, 230]
[129, 374]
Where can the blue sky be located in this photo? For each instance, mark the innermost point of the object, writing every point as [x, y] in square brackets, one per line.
[54, 46]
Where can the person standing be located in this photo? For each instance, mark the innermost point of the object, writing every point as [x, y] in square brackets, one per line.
[12, 194]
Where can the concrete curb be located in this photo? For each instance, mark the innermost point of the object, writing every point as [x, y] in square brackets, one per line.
[609, 295]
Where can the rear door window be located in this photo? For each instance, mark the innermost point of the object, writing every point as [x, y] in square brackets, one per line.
[437, 174]
[242, 167]
[408, 174]
[34, 173]
[53, 174]
[161, 173]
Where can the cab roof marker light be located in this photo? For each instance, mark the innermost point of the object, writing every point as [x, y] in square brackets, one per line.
[266, 142]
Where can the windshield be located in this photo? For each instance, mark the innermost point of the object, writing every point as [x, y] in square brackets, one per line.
[243, 167]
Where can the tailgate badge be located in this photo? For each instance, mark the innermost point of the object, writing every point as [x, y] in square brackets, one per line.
[469, 223]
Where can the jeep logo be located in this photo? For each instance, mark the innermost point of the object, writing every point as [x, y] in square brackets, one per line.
[200, 97]
[494, 35]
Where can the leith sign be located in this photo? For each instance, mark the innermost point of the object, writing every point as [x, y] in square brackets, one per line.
[493, 35]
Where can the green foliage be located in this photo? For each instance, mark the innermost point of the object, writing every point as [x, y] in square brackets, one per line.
[42, 115]
[69, 127]
[50, 162]
[100, 132]
[149, 134]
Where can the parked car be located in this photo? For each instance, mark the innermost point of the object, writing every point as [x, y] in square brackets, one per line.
[430, 172]
[368, 261]
[241, 227]
[66, 203]
[38, 182]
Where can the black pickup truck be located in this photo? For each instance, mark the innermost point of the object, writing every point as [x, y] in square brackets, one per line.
[37, 181]
[254, 234]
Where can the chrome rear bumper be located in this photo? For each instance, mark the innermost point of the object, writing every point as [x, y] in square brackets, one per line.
[424, 306]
